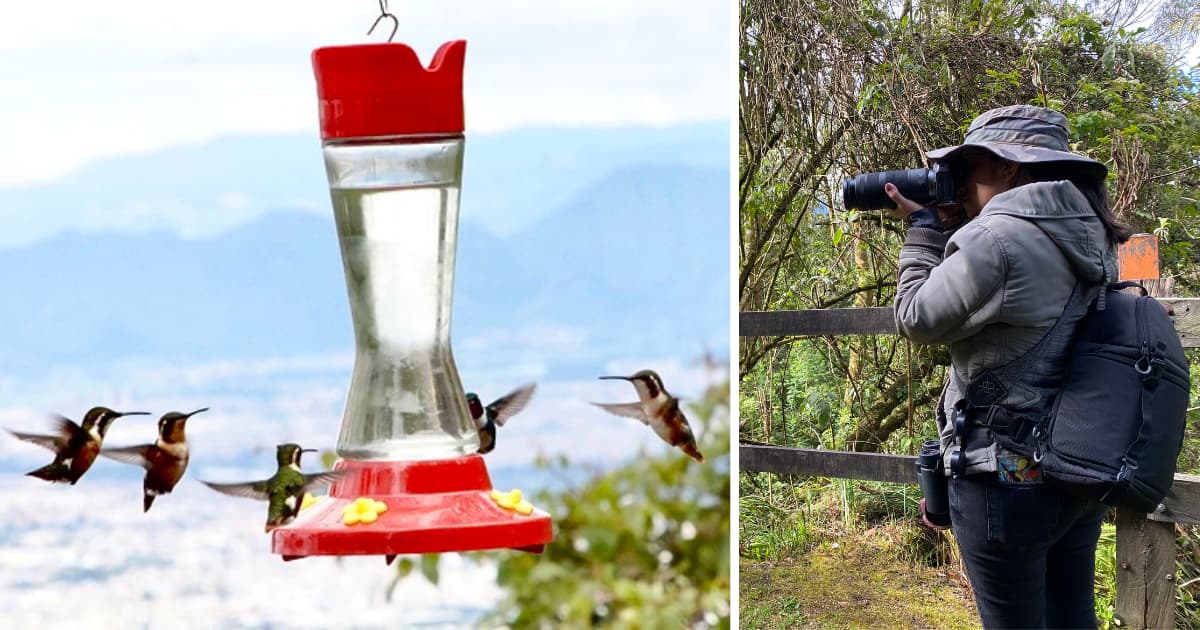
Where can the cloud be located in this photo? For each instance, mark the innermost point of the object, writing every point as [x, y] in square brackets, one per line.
[535, 339]
[233, 200]
[160, 74]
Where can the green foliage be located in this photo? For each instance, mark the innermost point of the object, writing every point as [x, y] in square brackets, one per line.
[1189, 456]
[783, 517]
[1106, 575]
[405, 565]
[775, 522]
[645, 545]
[837, 87]
[1187, 572]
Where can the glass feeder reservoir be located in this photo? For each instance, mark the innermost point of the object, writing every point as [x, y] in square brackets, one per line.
[396, 207]
[392, 139]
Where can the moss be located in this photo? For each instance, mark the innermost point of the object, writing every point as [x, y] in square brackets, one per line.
[855, 580]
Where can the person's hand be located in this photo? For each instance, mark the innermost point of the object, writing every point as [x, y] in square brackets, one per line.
[925, 519]
[950, 217]
[904, 205]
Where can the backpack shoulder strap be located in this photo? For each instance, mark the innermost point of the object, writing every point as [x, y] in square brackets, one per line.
[983, 395]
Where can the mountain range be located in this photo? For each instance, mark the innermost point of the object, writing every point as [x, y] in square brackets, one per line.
[620, 235]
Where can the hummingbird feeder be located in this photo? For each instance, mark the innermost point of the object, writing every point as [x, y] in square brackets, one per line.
[392, 140]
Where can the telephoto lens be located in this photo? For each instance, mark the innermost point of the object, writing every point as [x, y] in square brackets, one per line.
[928, 187]
[934, 485]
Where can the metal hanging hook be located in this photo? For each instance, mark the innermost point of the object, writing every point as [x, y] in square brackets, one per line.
[383, 13]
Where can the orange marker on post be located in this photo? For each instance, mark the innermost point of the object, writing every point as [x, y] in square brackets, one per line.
[1138, 258]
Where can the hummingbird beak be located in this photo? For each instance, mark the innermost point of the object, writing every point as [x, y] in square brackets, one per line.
[131, 413]
[616, 378]
[308, 450]
[196, 412]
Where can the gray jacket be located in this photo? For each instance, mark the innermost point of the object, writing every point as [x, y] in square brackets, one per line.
[993, 288]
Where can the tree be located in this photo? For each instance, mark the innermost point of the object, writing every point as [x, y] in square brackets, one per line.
[832, 89]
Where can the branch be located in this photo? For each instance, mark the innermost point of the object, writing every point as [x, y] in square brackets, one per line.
[892, 414]
[781, 209]
[852, 292]
[770, 288]
[757, 352]
[1176, 172]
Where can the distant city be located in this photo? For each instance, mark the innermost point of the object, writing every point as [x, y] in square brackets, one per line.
[210, 276]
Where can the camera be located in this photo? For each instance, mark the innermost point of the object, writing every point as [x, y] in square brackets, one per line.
[929, 187]
[934, 485]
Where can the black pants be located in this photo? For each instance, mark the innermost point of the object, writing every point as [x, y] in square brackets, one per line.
[1030, 552]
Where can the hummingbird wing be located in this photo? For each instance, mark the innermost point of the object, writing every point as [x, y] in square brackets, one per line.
[629, 410]
[511, 403]
[137, 455]
[251, 490]
[320, 480]
[66, 432]
[51, 442]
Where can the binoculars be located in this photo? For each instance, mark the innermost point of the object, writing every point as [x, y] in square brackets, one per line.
[935, 487]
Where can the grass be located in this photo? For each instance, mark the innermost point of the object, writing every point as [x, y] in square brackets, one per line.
[858, 579]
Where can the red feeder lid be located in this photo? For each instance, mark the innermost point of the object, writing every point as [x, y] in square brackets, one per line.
[372, 90]
[422, 507]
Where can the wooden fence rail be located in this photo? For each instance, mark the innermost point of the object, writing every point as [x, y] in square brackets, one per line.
[879, 321]
[1145, 578]
[1180, 506]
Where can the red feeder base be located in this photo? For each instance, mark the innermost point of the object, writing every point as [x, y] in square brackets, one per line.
[432, 507]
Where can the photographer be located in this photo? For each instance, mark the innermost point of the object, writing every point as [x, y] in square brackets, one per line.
[1037, 228]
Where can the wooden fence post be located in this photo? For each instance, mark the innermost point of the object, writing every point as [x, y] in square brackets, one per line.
[1145, 595]
[1145, 572]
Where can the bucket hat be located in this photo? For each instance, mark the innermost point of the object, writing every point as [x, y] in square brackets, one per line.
[1024, 134]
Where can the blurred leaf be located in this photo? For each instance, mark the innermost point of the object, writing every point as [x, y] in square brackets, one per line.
[644, 545]
[404, 566]
[429, 567]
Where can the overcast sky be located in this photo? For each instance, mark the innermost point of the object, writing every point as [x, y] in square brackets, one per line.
[91, 79]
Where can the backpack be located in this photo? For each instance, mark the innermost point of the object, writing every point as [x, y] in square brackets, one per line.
[1114, 426]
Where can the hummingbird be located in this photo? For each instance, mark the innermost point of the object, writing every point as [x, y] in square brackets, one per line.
[75, 447]
[285, 490]
[658, 409]
[496, 414]
[164, 461]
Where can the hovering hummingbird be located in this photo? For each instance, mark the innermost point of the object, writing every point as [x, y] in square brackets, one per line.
[658, 409]
[285, 490]
[496, 414]
[75, 447]
[164, 461]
